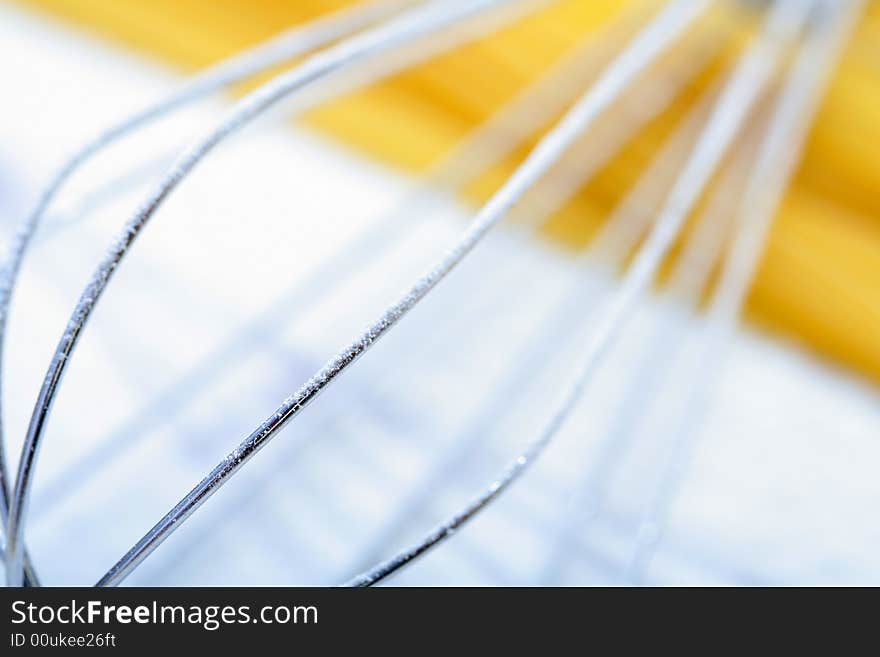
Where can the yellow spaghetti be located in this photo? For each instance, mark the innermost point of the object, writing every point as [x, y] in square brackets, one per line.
[820, 279]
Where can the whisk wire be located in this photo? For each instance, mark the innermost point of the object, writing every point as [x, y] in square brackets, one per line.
[731, 137]
[401, 30]
[784, 138]
[748, 80]
[648, 44]
[282, 48]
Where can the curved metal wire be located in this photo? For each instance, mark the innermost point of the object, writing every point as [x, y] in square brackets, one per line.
[794, 112]
[629, 115]
[404, 29]
[530, 110]
[745, 86]
[646, 46]
[687, 281]
[283, 47]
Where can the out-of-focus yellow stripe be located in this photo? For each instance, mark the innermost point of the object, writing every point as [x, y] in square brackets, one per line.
[820, 280]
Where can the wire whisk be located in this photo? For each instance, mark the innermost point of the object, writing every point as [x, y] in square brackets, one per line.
[702, 205]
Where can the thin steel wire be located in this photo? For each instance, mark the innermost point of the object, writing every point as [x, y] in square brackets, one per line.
[660, 33]
[652, 94]
[671, 336]
[489, 143]
[284, 47]
[400, 31]
[749, 79]
[556, 328]
[780, 152]
[798, 101]
[523, 116]
[687, 282]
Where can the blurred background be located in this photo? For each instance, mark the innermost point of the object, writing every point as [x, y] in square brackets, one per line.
[702, 452]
